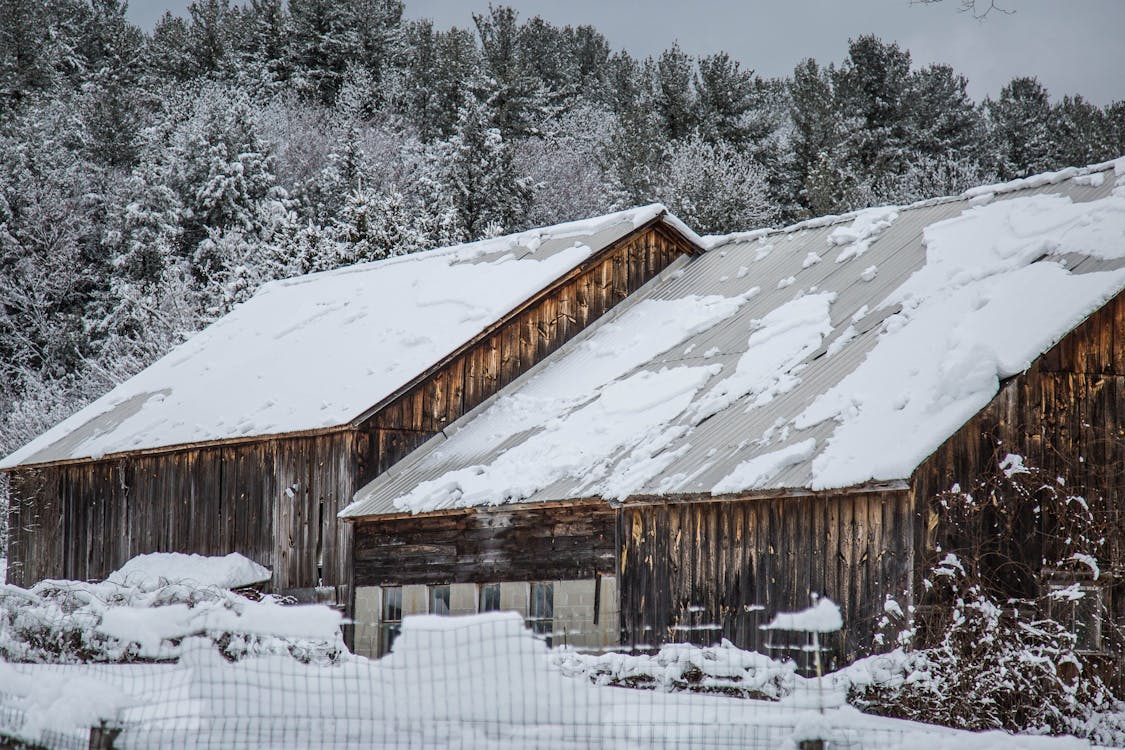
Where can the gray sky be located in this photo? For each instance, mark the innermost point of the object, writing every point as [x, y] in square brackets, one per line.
[1072, 46]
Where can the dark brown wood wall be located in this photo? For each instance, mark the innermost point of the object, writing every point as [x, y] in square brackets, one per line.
[508, 543]
[1064, 415]
[688, 566]
[276, 499]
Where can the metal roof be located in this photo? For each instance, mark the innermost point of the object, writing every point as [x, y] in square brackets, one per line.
[701, 454]
[316, 351]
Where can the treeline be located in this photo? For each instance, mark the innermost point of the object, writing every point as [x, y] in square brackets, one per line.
[149, 181]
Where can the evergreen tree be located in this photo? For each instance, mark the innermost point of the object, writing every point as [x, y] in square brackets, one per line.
[488, 195]
[1079, 133]
[725, 100]
[1020, 121]
[28, 54]
[872, 88]
[817, 130]
[675, 100]
[111, 109]
[517, 100]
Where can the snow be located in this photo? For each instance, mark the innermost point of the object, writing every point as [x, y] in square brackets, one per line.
[756, 471]
[584, 414]
[822, 617]
[1090, 562]
[974, 314]
[316, 351]
[1012, 465]
[156, 569]
[479, 681]
[780, 341]
[841, 384]
[855, 238]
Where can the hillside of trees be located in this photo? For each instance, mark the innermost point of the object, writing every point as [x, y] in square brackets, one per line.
[150, 181]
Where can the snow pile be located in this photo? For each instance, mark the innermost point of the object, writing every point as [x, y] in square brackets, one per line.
[994, 294]
[359, 333]
[685, 667]
[143, 618]
[158, 569]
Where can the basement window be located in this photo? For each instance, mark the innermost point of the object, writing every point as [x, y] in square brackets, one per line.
[1079, 607]
[541, 610]
[439, 600]
[489, 598]
[390, 623]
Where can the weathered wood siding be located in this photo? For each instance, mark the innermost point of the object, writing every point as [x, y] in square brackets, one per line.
[701, 571]
[1063, 415]
[276, 499]
[508, 543]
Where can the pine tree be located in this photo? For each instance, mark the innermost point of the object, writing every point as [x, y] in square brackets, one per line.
[111, 107]
[28, 54]
[817, 130]
[1020, 122]
[675, 100]
[725, 100]
[1079, 133]
[487, 193]
[871, 89]
[516, 99]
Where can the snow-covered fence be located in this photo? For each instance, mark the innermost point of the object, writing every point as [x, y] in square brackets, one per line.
[482, 681]
[164, 654]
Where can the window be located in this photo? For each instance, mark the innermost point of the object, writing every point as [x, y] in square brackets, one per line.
[439, 600]
[541, 610]
[489, 598]
[390, 623]
[1078, 606]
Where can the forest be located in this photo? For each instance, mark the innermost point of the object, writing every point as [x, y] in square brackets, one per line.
[151, 180]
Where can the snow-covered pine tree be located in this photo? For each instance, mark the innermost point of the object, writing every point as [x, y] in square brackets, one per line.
[480, 177]
[1020, 128]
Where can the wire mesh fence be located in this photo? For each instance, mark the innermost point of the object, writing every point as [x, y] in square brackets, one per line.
[483, 681]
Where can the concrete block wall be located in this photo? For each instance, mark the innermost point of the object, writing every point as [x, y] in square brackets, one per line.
[574, 621]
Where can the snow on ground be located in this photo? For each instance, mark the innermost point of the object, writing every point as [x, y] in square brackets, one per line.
[468, 682]
[139, 616]
[358, 334]
[160, 568]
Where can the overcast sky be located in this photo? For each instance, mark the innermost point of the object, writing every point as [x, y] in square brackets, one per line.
[1072, 46]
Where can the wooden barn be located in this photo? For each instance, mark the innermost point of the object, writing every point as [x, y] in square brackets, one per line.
[780, 418]
[253, 434]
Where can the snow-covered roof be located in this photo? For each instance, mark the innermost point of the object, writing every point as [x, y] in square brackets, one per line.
[834, 353]
[316, 351]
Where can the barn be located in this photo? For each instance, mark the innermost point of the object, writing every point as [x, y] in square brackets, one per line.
[780, 417]
[253, 434]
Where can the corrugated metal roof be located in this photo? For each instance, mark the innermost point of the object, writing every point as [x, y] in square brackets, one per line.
[700, 454]
[314, 352]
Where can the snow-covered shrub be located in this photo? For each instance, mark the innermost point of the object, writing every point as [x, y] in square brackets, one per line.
[135, 617]
[993, 656]
[684, 667]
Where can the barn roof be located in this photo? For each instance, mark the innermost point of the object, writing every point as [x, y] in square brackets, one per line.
[317, 351]
[839, 352]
